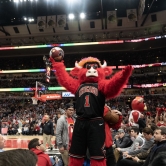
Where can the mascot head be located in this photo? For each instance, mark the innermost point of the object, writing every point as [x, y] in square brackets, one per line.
[138, 104]
[90, 70]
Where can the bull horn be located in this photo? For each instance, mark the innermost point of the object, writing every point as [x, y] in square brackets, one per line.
[104, 64]
[77, 65]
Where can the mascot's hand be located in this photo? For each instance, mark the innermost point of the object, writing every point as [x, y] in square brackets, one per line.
[54, 63]
[127, 70]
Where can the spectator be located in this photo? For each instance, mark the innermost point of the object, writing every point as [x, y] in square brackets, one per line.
[152, 126]
[48, 131]
[149, 141]
[141, 122]
[122, 139]
[37, 147]
[32, 124]
[160, 120]
[137, 140]
[58, 115]
[159, 160]
[160, 138]
[36, 129]
[25, 130]
[2, 143]
[18, 157]
[64, 130]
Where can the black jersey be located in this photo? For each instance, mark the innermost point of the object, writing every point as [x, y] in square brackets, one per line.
[89, 101]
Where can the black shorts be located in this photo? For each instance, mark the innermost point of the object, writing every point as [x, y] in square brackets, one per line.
[88, 134]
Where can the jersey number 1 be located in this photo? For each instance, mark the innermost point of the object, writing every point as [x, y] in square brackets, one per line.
[87, 101]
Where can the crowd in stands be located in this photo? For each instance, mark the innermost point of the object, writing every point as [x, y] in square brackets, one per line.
[22, 117]
[129, 142]
[30, 82]
[113, 59]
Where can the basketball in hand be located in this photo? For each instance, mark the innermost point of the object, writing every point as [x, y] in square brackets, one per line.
[111, 117]
[57, 54]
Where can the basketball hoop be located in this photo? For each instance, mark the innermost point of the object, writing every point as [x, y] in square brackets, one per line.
[34, 100]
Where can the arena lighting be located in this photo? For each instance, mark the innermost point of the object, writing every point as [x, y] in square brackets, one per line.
[82, 44]
[16, 1]
[82, 15]
[71, 16]
[31, 19]
[28, 89]
[69, 69]
[28, 71]
[61, 45]
[155, 85]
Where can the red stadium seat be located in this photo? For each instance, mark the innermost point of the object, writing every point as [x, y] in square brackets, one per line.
[4, 131]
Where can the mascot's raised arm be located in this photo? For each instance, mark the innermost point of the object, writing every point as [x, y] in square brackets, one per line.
[87, 81]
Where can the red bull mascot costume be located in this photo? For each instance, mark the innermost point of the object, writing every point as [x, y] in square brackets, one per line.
[87, 81]
[138, 106]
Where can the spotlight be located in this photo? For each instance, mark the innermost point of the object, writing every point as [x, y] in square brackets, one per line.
[25, 18]
[71, 16]
[16, 1]
[82, 15]
[30, 19]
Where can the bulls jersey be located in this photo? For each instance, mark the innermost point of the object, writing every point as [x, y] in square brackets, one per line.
[90, 101]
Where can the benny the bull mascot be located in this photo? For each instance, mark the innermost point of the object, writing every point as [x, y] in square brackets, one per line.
[87, 81]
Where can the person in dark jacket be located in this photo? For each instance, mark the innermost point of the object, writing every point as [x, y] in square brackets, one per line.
[122, 140]
[31, 129]
[160, 138]
[37, 147]
[142, 123]
[160, 146]
[48, 131]
[159, 160]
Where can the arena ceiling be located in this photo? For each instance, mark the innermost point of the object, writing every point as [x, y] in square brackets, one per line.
[12, 13]
[33, 8]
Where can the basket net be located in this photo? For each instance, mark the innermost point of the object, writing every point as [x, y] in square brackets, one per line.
[34, 100]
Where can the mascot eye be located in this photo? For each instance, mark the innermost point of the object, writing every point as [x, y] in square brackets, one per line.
[95, 66]
[88, 66]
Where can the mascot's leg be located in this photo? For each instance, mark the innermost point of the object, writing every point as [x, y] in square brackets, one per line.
[76, 161]
[101, 162]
